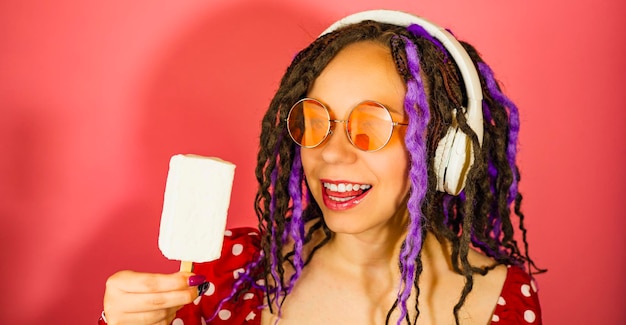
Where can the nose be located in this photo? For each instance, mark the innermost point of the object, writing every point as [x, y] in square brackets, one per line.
[337, 147]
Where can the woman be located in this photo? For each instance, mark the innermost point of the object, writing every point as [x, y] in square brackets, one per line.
[386, 178]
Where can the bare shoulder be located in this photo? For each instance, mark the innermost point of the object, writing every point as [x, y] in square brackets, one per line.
[479, 259]
[487, 288]
[495, 277]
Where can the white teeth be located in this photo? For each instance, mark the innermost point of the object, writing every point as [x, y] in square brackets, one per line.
[341, 199]
[343, 187]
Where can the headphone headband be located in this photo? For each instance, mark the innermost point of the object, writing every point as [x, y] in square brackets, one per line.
[455, 149]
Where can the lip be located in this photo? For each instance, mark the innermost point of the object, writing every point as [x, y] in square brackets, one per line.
[348, 200]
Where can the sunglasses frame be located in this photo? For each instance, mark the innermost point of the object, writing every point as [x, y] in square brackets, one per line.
[329, 130]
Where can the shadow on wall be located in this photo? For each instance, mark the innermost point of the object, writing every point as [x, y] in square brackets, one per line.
[206, 96]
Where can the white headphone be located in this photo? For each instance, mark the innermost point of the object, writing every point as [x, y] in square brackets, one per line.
[454, 153]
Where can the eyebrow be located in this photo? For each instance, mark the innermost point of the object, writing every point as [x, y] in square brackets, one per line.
[398, 116]
[388, 107]
[394, 110]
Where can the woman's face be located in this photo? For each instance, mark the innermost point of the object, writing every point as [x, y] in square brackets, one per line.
[379, 180]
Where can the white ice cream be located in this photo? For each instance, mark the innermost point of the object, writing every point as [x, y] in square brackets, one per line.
[195, 206]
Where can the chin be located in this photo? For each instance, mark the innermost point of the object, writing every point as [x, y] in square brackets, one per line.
[349, 225]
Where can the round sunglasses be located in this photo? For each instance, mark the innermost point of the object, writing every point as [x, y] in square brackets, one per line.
[369, 125]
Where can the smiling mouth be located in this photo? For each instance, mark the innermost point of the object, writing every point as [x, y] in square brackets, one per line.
[340, 196]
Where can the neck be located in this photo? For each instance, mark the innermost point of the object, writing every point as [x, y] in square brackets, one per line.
[435, 256]
[375, 247]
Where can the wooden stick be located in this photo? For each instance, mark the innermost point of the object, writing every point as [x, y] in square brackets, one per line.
[186, 266]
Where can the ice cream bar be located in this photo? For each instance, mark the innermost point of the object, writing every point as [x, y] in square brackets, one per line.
[195, 205]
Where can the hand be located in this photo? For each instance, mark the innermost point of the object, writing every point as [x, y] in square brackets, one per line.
[148, 298]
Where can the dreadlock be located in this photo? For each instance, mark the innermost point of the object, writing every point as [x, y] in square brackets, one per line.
[479, 217]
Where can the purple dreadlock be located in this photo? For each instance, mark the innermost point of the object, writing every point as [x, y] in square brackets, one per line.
[503, 100]
[417, 108]
[296, 224]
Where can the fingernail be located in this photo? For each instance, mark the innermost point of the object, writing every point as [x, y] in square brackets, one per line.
[203, 288]
[195, 280]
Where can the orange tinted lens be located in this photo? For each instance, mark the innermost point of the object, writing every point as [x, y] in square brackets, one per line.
[308, 123]
[370, 126]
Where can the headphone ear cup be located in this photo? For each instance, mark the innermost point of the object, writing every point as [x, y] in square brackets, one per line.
[453, 158]
[459, 163]
[442, 156]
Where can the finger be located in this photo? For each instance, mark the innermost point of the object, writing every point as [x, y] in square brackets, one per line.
[142, 302]
[160, 317]
[171, 314]
[137, 282]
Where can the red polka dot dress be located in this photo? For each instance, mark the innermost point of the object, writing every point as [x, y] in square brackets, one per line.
[241, 246]
[518, 302]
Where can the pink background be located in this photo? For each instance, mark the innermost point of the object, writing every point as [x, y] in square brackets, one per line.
[95, 97]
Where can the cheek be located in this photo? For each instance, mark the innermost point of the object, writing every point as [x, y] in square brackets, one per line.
[397, 137]
[398, 165]
[402, 158]
[307, 159]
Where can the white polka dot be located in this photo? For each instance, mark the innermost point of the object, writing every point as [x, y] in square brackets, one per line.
[529, 316]
[237, 249]
[495, 318]
[237, 272]
[202, 320]
[248, 296]
[253, 233]
[210, 290]
[228, 233]
[526, 290]
[261, 282]
[178, 321]
[224, 314]
[533, 285]
[251, 316]
[197, 300]
[501, 301]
